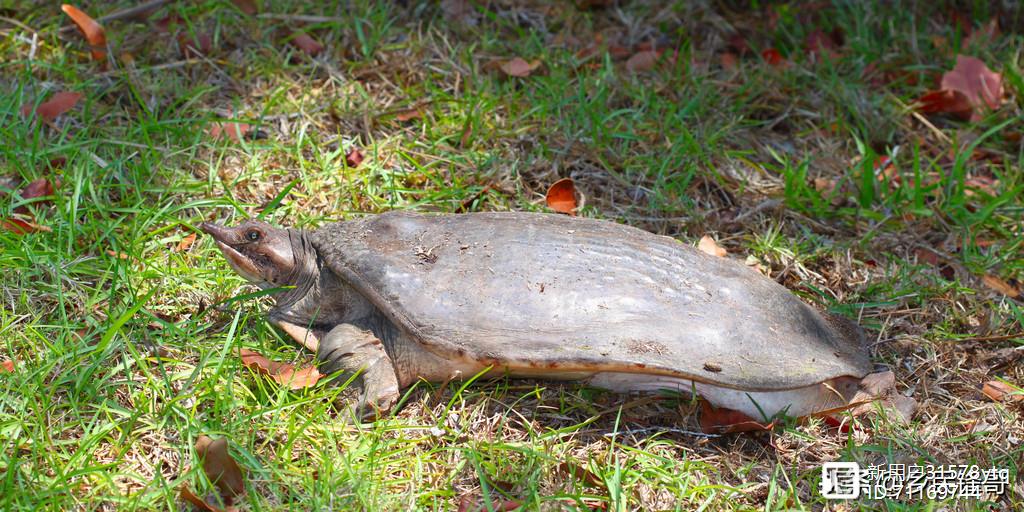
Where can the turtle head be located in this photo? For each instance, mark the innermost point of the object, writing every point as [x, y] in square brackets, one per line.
[261, 253]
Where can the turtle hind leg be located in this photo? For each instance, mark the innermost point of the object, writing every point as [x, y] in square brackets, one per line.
[351, 350]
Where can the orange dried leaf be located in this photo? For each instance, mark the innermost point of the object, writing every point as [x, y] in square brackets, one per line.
[220, 467]
[282, 373]
[1000, 286]
[561, 196]
[1001, 391]
[185, 243]
[407, 115]
[118, 255]
[7, 366]
[714, 420]
[642, 61]
[57, 104]
[708, 245]
[92, 30]
[234, 132]
[518, 67]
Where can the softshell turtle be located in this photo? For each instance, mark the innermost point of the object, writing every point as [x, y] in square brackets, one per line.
[402, 296]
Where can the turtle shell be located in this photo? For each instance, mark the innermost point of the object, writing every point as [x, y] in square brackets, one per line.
[550, 293]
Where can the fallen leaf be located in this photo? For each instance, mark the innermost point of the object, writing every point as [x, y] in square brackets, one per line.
[354, 157]
[820, 43]
[118, 255]
[220, 467]
[1000, 286]
[57, 104]
[518, 67]
[643, 61]
[773, 57]
[570, 469]
[1002, 392]
[459, 11]
[927, 256]
[708, 245]
[968, 90]
[7, 366]
[561, 196]
[247, 6]
[194, 47]
[306, 43]
[92, 30]
[282, 373]
[471, 503]
[234, 132]
[407, 115]
[22, 226]
[974, 79]
[186, 494]
[945, 102]
[41, 187]
[167, 23]
[719, 420]
[880, 387]
[728, 60]
[185, 243]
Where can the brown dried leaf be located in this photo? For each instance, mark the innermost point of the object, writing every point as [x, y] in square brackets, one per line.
[185, 243]
[471, 503]
[282, 373]
[708, 245]
[38, 188]
[971, 77]
[354, 157]
[561, 196]
[643, 61]
[22, 226]
[220, 467]
[715, 420]
[92, 30]
[195, 47]
[57, 104]
[1000, 391]
[247, 6]
[1000, 286]
[881, 387]
[200, 504]
[518, 67]
[306, 43]
[728, 60]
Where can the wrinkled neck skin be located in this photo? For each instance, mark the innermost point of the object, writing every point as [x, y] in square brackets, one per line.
[319, 298]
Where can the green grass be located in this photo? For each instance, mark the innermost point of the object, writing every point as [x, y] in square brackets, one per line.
[125, 348]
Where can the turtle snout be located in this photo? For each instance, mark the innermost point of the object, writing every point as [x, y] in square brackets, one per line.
[215, 230]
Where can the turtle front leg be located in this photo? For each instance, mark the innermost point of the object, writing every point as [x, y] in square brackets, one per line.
[350, 349]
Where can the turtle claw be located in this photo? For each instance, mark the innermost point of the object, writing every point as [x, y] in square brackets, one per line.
[351, 350]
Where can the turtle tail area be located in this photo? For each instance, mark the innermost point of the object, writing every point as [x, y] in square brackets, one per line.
[759, 405]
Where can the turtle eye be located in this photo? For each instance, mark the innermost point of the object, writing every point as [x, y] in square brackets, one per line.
[253, 235]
